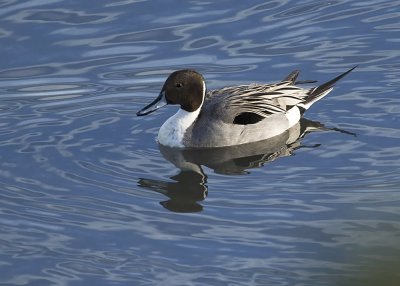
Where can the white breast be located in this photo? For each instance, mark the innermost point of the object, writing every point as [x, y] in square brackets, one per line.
[173, 130]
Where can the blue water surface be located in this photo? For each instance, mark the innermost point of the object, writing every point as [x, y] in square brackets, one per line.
[87, 197]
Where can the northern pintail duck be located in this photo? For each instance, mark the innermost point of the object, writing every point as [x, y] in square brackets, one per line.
[231, 115]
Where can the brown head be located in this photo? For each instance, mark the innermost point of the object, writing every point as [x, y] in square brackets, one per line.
[183, 87]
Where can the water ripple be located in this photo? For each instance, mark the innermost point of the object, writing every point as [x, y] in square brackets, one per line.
[86, 196]
[60, 16]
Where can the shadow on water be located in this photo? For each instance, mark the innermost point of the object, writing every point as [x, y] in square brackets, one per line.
[189, 185]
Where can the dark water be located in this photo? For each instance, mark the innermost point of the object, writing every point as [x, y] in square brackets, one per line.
[88, 198]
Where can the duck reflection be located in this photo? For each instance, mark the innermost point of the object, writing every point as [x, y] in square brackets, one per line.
[188, 187]
[184, 193]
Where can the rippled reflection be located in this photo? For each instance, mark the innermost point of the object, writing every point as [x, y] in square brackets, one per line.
[184, 193]
[189, 185]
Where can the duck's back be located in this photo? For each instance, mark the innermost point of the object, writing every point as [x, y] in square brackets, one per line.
[238, 115]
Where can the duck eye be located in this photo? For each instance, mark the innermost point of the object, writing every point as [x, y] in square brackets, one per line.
[179, 85]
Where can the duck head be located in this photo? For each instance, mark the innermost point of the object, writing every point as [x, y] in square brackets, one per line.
[184, 87]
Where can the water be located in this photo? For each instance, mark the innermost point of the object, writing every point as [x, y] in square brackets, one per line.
[88, 198]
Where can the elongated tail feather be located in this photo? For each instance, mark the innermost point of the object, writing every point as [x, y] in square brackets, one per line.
[322, 90]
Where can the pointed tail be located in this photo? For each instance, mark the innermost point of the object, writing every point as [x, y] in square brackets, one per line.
[319, 92]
